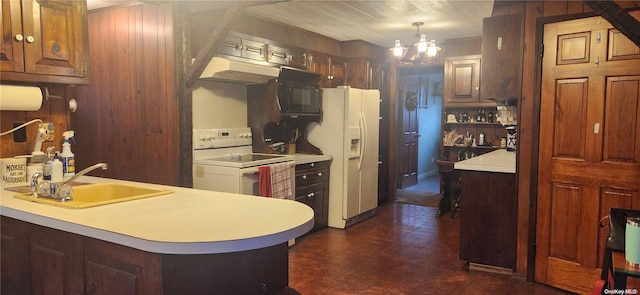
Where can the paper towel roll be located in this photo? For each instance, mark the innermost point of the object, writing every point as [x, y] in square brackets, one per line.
[20, 98]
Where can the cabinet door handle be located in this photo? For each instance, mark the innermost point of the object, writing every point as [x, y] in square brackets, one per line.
[309, 195]
[319, 173]
[312, 164]
[19, 37]
[304, 176]
[30, 39]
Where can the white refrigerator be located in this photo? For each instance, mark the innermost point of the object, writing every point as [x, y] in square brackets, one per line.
[348, 133]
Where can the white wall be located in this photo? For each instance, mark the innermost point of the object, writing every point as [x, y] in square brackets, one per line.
[219, 105]
[429, 126]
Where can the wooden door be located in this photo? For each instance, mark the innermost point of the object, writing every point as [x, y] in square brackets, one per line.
[409, 161]
[589, 159]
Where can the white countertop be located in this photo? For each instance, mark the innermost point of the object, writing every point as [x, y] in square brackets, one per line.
[188, 221]
[310, 158]
[497, 161]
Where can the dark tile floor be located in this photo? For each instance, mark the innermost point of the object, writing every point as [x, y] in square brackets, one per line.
[403, 249]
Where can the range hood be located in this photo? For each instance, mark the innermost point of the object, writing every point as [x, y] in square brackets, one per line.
[227, 70]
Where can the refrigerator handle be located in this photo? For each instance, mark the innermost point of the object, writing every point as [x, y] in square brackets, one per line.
[363, 143]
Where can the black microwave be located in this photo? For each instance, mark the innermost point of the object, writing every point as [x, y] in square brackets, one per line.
[299, 98]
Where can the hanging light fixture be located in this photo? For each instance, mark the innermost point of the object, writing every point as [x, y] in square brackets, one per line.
[432, 50]
[420, 52]
[398, 49]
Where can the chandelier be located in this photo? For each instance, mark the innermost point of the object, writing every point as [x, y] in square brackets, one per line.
[421, 52]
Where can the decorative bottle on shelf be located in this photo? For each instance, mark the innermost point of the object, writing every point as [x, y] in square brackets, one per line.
[490, 117]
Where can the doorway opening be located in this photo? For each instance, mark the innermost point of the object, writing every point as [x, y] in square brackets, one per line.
[420, 113]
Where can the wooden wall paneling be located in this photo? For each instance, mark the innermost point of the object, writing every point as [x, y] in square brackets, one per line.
[527, 143]
[500, 7]
[517, 7]
[555, 8]
[359, 48]
[624, 4]
[574, 7]
[460, 47]
[8, 147]
[130, 107]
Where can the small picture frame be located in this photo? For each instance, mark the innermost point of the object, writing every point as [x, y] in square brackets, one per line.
[437, 89]
[423, 92]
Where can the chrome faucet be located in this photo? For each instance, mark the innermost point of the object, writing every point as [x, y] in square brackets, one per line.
[59, 191]
[104, 166]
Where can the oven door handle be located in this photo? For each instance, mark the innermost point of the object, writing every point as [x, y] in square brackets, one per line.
[255, 170]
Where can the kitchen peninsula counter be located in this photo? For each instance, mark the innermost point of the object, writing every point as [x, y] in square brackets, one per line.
[488, 218]
[501, 161]
[234, 243]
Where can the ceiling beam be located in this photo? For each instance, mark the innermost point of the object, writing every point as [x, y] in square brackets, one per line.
[210, 48]
[217, 37]
[618, 17]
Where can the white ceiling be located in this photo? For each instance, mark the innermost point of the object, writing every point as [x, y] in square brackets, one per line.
[376, 21]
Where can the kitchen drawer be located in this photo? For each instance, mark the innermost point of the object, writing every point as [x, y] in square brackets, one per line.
[312, 173]
[311, 177]
[315, 196]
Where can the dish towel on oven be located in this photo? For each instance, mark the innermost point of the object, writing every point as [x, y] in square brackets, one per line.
[280, 180]
[264, 181]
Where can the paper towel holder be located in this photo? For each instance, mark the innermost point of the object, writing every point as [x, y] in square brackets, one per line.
[48, 95]
[73, 104]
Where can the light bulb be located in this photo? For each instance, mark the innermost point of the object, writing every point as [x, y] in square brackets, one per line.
[432, 50]
[397, 49]
[422, 45]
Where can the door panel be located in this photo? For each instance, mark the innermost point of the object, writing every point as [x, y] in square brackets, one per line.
[570, 115]
[622, 125]
[620, 47]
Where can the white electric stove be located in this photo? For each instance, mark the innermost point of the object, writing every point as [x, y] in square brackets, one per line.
[223, 160]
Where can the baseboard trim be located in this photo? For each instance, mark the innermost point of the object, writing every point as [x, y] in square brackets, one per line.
[490, 268]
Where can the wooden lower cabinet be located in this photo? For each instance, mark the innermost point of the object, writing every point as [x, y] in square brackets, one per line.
[488, 218]
[312, 188]
[41, 260]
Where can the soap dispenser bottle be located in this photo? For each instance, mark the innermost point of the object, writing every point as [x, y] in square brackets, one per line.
[67, 157]
[56, 170]
[46, 173]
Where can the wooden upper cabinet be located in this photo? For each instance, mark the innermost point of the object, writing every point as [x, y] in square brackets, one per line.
[243, 47]
[332, 68]
[253, 50]
[364, 73]
[502, 53]
[338, 71]
[287, 56]
[45, 41]
[462, 79]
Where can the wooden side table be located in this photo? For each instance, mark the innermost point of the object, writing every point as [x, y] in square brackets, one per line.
[625, 277]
